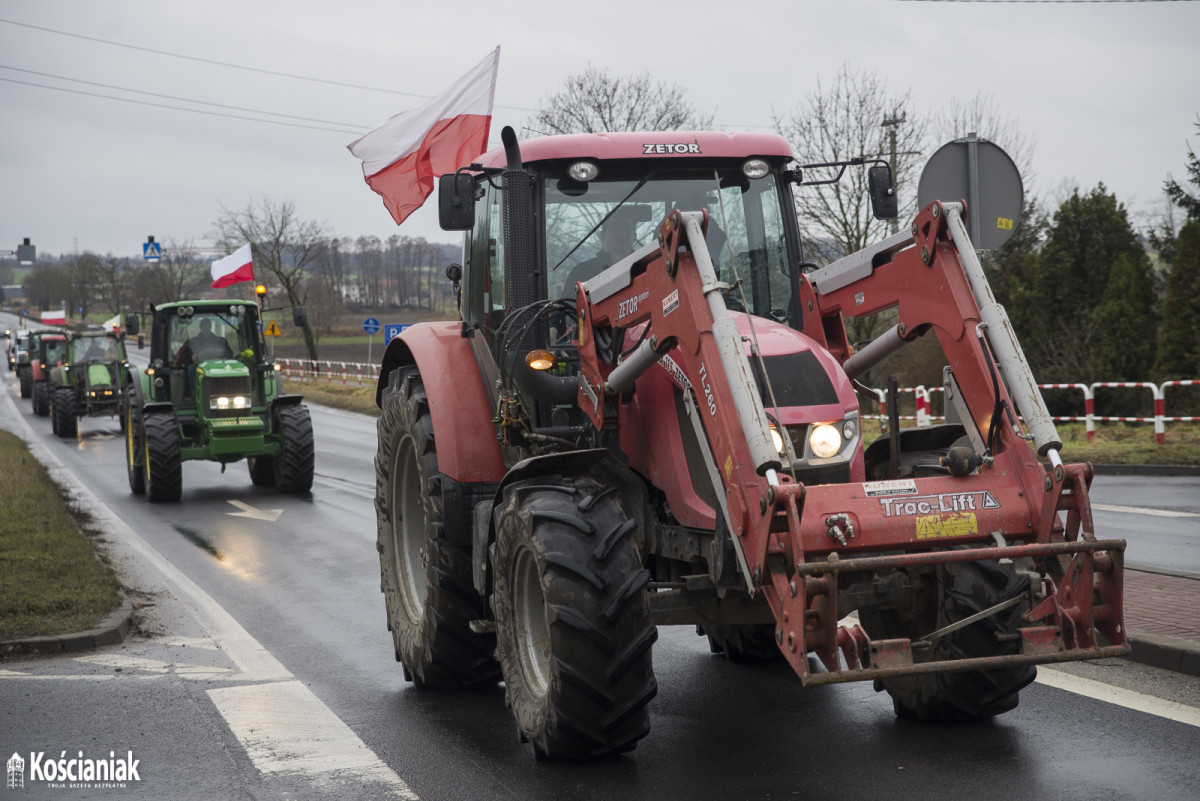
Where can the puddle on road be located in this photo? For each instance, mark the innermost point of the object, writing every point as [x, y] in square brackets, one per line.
[200, 542]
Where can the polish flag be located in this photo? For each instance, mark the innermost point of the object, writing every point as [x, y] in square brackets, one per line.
[57, 317]
[402, 157]
[234, 268]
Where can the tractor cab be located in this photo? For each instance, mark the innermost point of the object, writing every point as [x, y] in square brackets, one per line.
[218, 346]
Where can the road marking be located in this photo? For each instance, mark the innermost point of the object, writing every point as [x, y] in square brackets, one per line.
[287, 731]
[270, 515]
[1130, 699]
[300, 735]
[1141, 510]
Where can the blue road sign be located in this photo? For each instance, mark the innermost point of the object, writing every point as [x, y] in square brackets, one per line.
[151, 251]
[371, 326]
[390, 332]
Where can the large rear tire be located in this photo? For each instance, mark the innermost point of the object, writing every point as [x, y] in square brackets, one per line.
[573, 628]
[425, 567]
[162, 465]
[65, 421]
[747, 642]
[294, 467]
[41, 398]
[262, 470]
[962, 589]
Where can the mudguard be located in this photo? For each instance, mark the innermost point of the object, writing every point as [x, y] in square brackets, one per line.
[467, 449]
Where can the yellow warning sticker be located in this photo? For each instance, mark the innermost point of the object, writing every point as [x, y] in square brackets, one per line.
[937, 527]
[729, 466]
[1004, 223]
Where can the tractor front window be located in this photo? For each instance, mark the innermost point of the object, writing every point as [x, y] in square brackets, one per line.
[591, 226]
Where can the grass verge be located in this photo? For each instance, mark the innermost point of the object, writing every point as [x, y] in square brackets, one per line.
[351, 397]
[52, 581]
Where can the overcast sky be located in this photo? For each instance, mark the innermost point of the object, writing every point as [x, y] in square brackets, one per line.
[1106, 91]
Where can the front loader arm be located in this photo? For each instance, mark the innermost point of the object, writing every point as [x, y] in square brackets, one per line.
[794, 541]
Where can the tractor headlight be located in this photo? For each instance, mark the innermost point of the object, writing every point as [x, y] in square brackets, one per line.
[824, 440]
[225, 402]
[777, 439]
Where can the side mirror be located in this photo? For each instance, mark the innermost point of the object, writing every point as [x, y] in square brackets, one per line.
[131, 324]
[299, 317]
[456, 201]
[884, 203]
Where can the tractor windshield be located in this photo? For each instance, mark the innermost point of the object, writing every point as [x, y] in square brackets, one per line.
[589, 226]
[210, 334]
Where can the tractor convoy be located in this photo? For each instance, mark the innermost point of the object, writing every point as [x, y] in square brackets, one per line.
[649, 413]
[667, 431]
[210, 392]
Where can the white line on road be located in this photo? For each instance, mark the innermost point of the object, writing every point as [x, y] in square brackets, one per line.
[1141, 510]
[1130, 699]
[286, 734]
[261, 716]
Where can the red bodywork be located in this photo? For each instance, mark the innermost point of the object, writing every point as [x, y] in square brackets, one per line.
[796, 539]
[39, 370]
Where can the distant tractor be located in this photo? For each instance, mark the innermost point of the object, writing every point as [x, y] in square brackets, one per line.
[89, 382]
[46, 349]
[211, 392]
[23, 347]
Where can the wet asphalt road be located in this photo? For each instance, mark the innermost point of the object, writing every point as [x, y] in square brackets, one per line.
[294, 602]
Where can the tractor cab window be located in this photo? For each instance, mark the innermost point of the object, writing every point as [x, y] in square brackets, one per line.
[591, 226]
[209, 335]
[52, 351]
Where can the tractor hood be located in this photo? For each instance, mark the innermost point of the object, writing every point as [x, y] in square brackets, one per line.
[223, 368]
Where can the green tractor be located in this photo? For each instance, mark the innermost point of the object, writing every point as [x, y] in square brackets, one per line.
[89, 381]
[211, 392]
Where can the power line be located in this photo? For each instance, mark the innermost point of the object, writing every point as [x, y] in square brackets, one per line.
[228, 64]
[174, 108]
[1046, 2]
[353, 128]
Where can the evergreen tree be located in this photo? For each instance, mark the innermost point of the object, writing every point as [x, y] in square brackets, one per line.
[1124, 324]
[1179, 344]
[1058, 308]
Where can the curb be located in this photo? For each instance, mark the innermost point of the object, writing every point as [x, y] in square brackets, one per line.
[111, 631]
[1168, 653]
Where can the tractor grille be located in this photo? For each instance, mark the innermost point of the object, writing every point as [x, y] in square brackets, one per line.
[215, 387]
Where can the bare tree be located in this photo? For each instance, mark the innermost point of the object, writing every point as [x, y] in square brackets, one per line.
[594, 101]
[842, 121]
[284, 247]
[981, 115]
[180, 273]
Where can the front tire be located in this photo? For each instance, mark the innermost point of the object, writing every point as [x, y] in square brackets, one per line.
[294, 467]
[25, 379]
[962, 589]
[573, 628]
[162, 465]
[425, 566]
[65, 421]
[132, 423]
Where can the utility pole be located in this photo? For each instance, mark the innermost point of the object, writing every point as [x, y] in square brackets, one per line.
[890, 123]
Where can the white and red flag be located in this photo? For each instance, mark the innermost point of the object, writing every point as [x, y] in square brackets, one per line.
[234, 268]
[402, 157]
[55, 317]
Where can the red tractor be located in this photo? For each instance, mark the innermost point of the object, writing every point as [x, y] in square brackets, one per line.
[46, 351]
[665, 431]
